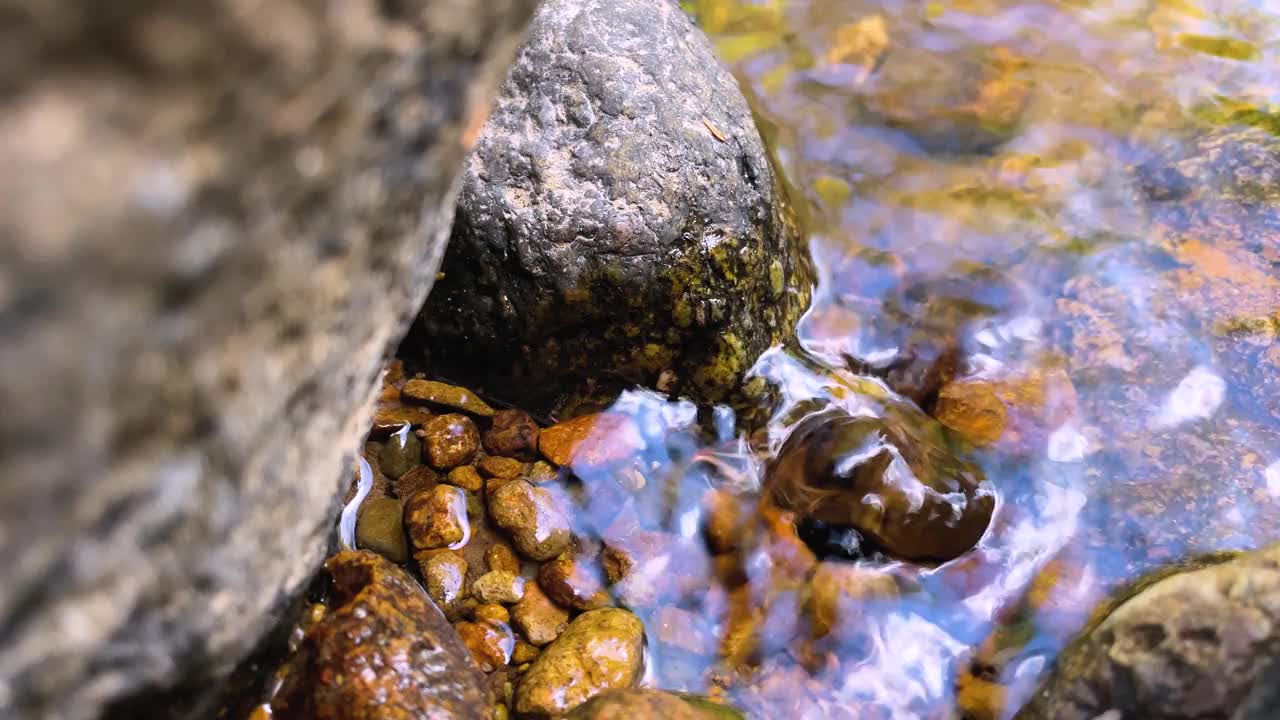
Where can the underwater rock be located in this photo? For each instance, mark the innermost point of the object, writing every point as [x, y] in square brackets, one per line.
[600, 650]
[512, 434]
[538, 617]
[949, 102]
[893, 479]
[490, 643]
[445, 573]
[438, 518]
[400, 453]
[1013, 410]
[466, 477]
[619, 219]
[500, 557]
[499, 586]
[1191, 641]
[838, 590]
[538, 525]
[380, 528]
[574, 582]
[500, 467]
[646, 703]
[450, 440]
[595, 440]
[418, 668]
[432, 392]
[219, 217]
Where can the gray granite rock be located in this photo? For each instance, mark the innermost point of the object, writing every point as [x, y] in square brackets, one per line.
[218, 217]
[619, 219]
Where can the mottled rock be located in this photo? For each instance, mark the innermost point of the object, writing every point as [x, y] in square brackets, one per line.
[573, 260]
[415, 481]
[387, 420]
[646, 703]
[418, 667]
[445, 573]
[891, 478]
[600, 650]
[649, 568]
[958, 101]
[380, 528]
[539, 618]
[574, 582]
[451, 440]
[1016, 410]
[524, 652]
[218, 217]
[401, 453]
[490, 643]
[725, 522]
[438, 518]
[499, 557]
[466, 477]
[500, 467]
[492, 612]
[538, 526]
[445, 395]
[499, 586]
[838, 591]
[512, 434]
[1189, 642]
[541, 472]
[601, 439]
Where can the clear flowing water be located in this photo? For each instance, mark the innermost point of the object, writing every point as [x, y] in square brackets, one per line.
[994, 178]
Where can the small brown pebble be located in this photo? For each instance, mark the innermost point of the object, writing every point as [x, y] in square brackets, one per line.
[415, 481]
[451, 440]
[400, 453]
[465, 477]
[380, 528]
[445, 572]
[438, 393]
[838, 590]
[542, 472]
[501, 467]
[538, 526]
[437, 518]
[490, 643]
[389, 420]
[537, 617]
[492, 612]
[523, 653]
[573, 582]
[600, 439]
[498, 586]
[491, 485]
[512, 434]
[501, 557]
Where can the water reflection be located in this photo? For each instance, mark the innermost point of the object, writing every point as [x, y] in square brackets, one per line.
[1011, 211]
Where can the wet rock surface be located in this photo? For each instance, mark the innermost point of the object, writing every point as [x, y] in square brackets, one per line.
[600, 650]
[450, 440]
[218, 217]
[572, 259]
[418, 668]
[1190, 642]
[380, 528]
[888, 479]
[625, 704]
[538, 525]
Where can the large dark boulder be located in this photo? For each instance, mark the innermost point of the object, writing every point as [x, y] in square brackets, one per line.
[217, 217]
[619, 222]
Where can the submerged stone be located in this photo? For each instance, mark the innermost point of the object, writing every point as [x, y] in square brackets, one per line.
[451, 440]
[600, 650]
[452, 396]
[619, 220]
[380, 528]
[400, 453]
[538, 526]
[646, 703]
[512, 434]
[893, 479]
[417, 668]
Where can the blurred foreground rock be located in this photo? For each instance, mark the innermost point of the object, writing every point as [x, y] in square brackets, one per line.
[1199, 641]
[217, 217]
[619, 222]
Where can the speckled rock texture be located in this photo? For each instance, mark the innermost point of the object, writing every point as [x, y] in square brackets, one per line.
[217, 217]
[416, 669]
[1197, 643]
[619, 220]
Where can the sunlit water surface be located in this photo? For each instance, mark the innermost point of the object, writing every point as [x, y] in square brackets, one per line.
[967, 169]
